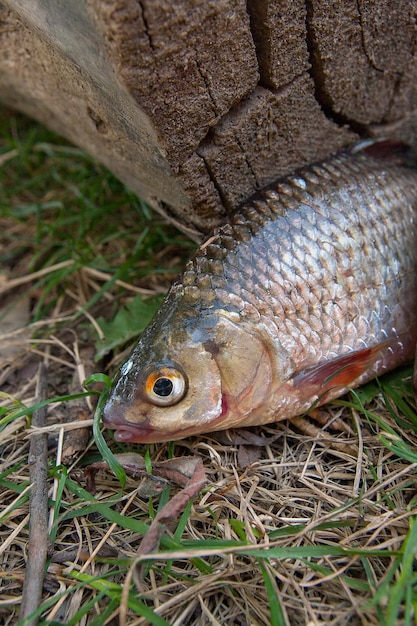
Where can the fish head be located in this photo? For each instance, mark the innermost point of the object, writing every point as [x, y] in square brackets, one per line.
[189, 375]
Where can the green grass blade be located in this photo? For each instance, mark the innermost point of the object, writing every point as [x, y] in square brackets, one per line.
[104, 450]
[406, 578]
[114, 591]
[277, 615]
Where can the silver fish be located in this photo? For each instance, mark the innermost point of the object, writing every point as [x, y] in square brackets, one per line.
[309, 289]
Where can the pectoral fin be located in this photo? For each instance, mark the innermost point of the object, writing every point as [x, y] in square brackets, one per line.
[342, 371]
[392, 150]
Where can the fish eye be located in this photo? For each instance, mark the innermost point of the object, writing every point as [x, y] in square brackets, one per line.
[165, 386]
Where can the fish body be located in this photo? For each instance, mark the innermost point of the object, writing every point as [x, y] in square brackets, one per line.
[309, 289]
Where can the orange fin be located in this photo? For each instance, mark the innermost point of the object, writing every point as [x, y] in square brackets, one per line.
[341, 371]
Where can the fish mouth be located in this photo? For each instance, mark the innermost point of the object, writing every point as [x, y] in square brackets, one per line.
[125, 431]
[131, 432]
[142, 433]
[139, 434]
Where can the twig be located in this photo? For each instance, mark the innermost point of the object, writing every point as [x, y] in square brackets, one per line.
[415, 376]
[173, 509]
[27, 278]
[80, 410]
[38, 509]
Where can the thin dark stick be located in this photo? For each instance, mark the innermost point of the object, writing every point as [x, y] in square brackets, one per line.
[38, 509]
[415, 377]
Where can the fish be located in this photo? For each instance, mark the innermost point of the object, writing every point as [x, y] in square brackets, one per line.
[308, 290]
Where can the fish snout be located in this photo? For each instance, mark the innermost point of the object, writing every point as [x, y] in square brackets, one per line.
[114, 418]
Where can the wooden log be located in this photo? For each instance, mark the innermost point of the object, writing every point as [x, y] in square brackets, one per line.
[195, 104]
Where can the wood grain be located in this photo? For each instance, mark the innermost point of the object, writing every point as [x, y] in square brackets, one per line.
[197, 103]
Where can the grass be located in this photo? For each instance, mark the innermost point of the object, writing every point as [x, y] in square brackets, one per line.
[315, 527]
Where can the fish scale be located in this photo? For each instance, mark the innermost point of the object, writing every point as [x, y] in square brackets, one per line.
[312, 280]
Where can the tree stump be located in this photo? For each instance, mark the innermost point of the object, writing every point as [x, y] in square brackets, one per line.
[195, 104]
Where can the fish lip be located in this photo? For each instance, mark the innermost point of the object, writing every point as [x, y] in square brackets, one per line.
[125, 431]
[131, 432]
[140, 433]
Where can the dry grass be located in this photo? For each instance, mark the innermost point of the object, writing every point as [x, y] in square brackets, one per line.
[316, 526]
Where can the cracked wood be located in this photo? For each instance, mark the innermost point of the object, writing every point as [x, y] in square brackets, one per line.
[197, 103]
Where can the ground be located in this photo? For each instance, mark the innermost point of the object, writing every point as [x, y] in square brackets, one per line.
[310, 522]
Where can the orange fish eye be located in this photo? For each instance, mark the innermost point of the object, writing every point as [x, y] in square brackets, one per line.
[165, 386]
